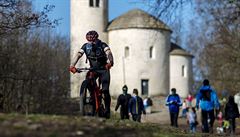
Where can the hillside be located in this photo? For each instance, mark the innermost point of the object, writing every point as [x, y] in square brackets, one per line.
[16, 125]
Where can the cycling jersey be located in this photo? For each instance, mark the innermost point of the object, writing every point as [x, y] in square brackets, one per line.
[95, 53]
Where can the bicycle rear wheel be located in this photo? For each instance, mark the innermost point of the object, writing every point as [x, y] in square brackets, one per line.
[87, 103]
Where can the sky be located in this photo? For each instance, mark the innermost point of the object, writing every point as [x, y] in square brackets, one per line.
[62, 11]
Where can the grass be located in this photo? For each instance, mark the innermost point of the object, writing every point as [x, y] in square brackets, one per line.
[13, 125]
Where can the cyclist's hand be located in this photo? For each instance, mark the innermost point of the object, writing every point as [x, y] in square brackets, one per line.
[108, 66]
[72, 69]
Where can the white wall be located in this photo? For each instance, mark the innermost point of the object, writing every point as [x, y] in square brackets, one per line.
[84, 19]
[181, 83]
[139, 65]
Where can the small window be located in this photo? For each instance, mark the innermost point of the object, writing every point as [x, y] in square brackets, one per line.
[97, 3]
[151, 52]
[183, 71]
[126, 53]
[91, 3]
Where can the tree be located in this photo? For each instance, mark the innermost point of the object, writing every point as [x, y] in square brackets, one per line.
[216, 42]
[171, 12]
[18, 14]
[33, 74]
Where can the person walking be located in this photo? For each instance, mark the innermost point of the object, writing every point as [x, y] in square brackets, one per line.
[184, 109]
[192, 119]
[231, 113]
[136, 107]
[123, 101]
[173, 101]
[207, 100]
[189, 100]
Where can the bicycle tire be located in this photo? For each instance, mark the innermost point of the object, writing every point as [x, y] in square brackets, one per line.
[101, 111]
[87, 107]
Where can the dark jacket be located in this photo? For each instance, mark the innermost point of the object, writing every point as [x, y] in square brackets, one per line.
[123, 101]
[136, 108]
[231, 109]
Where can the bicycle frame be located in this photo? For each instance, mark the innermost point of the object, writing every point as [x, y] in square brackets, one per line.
[96, 92]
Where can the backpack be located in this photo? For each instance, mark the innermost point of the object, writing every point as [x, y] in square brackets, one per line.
[206, 94]
[149, 102]
[95, 53]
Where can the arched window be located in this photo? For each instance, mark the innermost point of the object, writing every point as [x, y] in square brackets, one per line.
[126, 52]
[91, 3]
[151, 52]
[97, 3]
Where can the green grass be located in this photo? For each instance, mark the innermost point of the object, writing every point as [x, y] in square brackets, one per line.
[64, 126]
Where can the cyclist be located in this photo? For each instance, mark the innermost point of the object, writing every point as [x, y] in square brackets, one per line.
[101, 59]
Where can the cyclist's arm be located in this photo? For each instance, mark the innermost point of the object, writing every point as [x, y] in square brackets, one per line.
[109, 55]
[77, 57]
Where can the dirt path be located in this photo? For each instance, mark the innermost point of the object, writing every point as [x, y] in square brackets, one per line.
[160, 115]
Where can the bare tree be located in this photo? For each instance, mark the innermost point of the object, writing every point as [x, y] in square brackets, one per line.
[172, 13]
[18, 14]
[33, 74]
[217, 42]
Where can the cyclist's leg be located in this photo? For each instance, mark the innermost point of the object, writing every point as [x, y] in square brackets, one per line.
[105, 79]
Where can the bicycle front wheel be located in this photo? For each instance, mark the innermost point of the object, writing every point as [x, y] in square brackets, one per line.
[87, 103]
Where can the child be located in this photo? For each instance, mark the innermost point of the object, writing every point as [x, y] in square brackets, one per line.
[184, 109]
[220, 123]
[220, 119]
[226, 125]
[192, 119]
[231, 112]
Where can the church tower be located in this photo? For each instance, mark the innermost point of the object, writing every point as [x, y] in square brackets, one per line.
[86, 15]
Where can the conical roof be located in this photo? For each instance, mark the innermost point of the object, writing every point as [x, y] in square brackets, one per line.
[177, 50]
[137, 19]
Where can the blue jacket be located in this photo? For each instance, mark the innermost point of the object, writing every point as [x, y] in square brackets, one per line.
[207, 99]
[173, 101]
[135, 105]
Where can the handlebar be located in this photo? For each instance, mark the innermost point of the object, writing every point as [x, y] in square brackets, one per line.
[79, 70]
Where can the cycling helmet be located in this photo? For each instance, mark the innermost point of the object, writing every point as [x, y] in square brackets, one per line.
[92, 36]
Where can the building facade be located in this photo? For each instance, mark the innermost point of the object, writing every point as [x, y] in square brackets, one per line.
[143, 54]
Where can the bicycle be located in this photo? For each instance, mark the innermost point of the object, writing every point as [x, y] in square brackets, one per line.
[91, 97]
